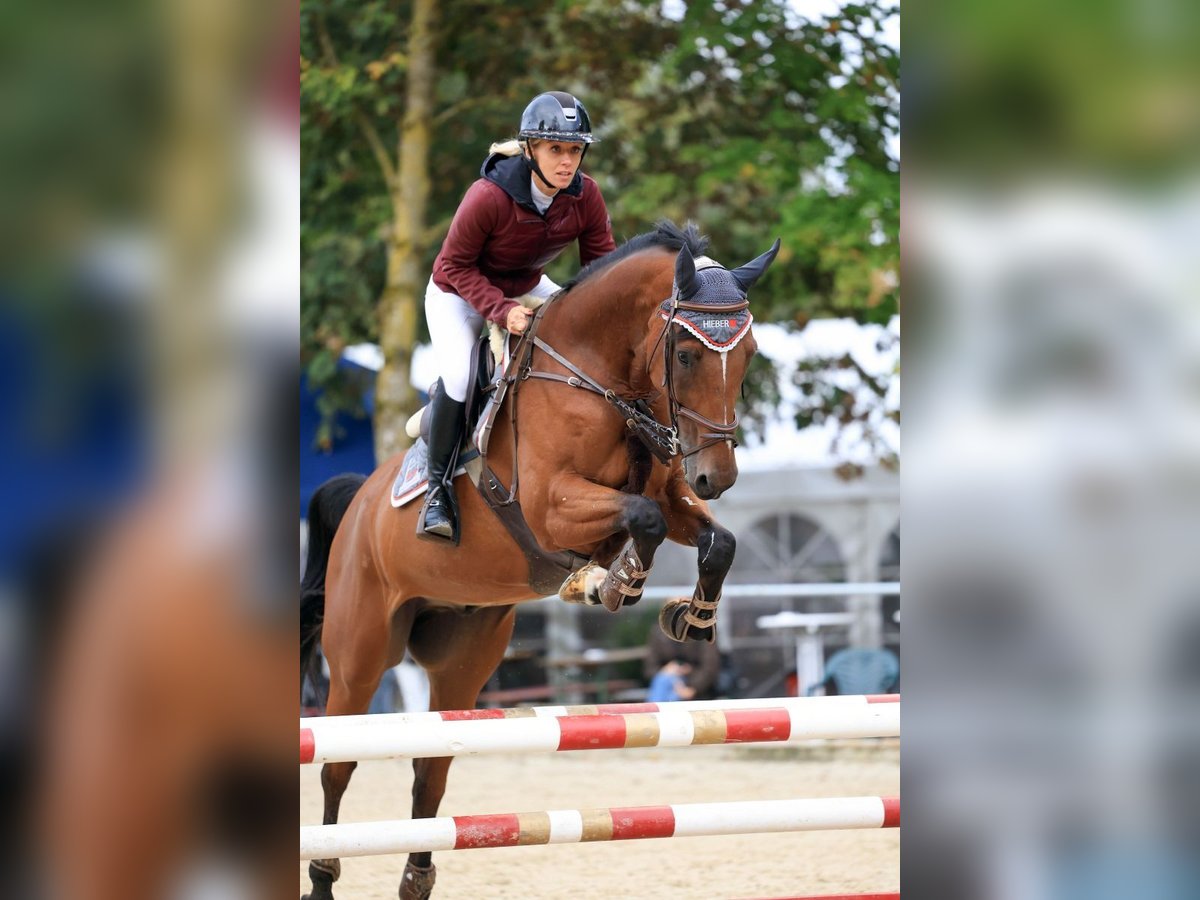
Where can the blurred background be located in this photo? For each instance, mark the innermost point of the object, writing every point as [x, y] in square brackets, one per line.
[1051, 229]
[149, 239]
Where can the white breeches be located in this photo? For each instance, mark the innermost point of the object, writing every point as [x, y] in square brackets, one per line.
[454, 326]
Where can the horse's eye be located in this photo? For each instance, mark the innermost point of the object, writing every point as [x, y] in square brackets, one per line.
[684, 359]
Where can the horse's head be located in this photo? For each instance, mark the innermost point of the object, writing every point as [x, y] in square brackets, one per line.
[707, 349]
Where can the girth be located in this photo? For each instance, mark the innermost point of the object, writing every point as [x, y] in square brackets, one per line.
[547, 571]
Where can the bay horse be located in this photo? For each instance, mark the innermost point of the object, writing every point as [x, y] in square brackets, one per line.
[624, 408]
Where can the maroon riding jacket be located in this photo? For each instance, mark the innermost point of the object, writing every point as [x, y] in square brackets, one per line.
[499, 244]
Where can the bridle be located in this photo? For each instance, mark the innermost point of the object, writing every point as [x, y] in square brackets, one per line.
[719, 431]
[661, 440]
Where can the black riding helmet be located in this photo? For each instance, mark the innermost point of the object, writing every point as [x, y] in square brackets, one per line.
[555, 116]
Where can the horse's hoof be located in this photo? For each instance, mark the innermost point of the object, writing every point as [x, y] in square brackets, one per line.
[674, 626]
[584, 586]
[417, 882]
[320, 892]
[323, 873]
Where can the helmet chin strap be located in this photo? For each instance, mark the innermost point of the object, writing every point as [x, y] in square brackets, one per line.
[527, 155]
[532, 164]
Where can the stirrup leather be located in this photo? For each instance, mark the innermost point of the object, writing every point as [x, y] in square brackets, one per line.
[437, 496]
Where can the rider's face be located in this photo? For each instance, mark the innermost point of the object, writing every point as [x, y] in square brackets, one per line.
[558, 162]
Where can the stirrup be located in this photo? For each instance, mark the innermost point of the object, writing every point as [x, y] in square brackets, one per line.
[447, 530]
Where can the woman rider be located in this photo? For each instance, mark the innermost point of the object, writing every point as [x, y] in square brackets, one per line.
[529, 204]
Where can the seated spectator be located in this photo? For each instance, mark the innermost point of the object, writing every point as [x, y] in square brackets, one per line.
[702, 659]
[669, 684]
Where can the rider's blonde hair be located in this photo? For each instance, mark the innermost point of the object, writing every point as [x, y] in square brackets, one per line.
[511, 147]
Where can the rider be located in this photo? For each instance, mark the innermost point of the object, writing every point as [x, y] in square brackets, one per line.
[529, 204]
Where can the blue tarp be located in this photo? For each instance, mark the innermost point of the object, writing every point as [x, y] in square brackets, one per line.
[353, 447]
[74, 439]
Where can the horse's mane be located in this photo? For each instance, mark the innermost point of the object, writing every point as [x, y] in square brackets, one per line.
[666, 234]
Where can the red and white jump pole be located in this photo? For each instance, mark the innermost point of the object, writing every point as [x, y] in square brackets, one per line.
[610, 709]
[549, 729]
[575, 826]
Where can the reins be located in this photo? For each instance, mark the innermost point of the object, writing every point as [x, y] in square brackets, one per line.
[661, 441]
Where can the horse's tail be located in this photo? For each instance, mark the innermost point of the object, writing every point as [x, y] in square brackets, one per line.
[325, 511]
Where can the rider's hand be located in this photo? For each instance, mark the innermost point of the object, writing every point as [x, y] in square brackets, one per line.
[518, 319]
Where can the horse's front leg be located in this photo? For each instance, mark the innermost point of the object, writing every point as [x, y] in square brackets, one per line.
[690, 522]
[582, 513]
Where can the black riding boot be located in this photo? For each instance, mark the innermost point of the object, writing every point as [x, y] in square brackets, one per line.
[439, 517]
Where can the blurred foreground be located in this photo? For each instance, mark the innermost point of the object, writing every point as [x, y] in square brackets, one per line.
[149, 323]
[1052, 472]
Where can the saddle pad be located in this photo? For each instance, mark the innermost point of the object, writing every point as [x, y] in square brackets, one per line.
[413, 478]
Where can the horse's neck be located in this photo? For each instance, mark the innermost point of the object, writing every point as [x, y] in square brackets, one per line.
[601, 328]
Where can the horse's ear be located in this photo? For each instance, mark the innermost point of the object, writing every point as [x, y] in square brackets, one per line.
[685, 273]
[746, 275]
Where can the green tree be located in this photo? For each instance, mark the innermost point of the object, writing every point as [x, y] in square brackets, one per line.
[742, 116]
[358, 95]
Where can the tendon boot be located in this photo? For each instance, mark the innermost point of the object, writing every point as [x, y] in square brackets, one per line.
[438, 520]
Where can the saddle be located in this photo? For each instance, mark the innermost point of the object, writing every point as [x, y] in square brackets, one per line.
[492, 382]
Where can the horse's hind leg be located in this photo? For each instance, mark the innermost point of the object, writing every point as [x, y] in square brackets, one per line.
[357, 661]
[460, 651]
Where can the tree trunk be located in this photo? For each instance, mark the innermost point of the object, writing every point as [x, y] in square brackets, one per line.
[395, 398]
